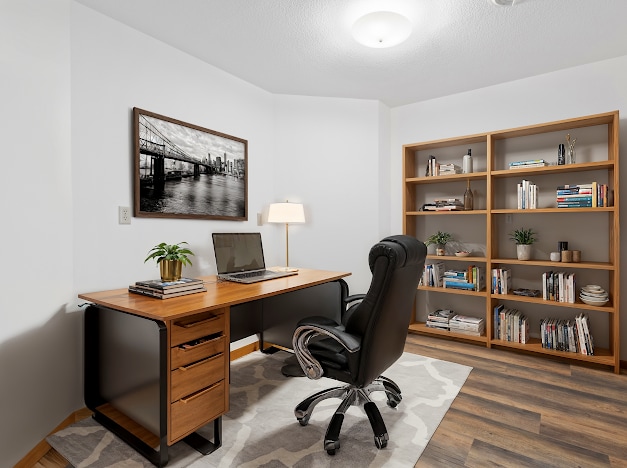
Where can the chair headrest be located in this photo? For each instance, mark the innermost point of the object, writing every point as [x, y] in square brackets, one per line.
[400, 249]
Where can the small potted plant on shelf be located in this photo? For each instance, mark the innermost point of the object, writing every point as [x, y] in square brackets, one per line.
[170, 258]
[524, 238]
[440, 239]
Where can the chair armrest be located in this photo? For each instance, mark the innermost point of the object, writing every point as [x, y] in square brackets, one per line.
[305, 331]
[353, 298]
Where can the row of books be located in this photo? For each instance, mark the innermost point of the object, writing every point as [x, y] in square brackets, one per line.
[592, 195]
[433, 275]
[559, 286]
[470, 279]
[567, 335]
[528, 163]
[501, 280]
[433, 168]
[527, 195]
[167, 289]
[510, 325]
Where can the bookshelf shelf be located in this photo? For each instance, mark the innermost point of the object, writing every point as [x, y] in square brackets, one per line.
[486, 229]
[419, 327]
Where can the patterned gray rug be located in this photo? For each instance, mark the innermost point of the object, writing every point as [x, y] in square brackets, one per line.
[261, 430]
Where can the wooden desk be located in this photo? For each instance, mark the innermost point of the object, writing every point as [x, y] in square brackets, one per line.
[157, 370]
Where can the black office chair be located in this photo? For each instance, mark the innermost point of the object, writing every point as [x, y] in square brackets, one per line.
[370, 339]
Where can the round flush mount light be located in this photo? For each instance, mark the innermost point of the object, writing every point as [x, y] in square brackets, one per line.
[504, 2]
[381, 29]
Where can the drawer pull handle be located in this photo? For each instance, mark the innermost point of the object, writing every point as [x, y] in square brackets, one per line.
[198, 343]
[193, 396]
[199, 363]
[199, 322]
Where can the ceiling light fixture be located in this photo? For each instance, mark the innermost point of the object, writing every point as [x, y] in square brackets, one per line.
[381, 29]
[504, 2]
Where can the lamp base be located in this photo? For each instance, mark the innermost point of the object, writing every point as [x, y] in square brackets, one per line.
[282, 269]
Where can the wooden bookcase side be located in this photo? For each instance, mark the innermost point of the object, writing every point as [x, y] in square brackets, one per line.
[493, 175]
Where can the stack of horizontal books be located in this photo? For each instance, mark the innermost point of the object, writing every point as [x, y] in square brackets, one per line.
[471, 279]
[592, 195]
[467, 325]
[167, 289]
[439, 319]
[528, 163]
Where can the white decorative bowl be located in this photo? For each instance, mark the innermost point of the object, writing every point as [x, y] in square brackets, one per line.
[462, 253]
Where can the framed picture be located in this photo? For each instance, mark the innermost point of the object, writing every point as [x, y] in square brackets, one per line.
[186, 171]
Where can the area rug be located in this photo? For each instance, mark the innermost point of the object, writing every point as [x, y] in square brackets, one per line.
[260, 429]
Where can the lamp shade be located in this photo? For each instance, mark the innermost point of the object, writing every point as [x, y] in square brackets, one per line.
[289, 213]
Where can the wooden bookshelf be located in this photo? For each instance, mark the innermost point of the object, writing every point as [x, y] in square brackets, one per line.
[485, 230]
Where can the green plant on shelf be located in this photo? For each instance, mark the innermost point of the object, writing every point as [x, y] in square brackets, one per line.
[523, 236]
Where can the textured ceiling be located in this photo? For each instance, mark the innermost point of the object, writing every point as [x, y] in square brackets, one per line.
[304, 47]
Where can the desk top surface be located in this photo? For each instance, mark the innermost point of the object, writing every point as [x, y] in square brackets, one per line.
[219, 294]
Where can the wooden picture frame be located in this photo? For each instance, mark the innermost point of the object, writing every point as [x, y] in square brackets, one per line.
[186, 171]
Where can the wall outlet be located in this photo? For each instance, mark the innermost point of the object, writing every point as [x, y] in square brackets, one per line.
[509, 218]
[124, 215]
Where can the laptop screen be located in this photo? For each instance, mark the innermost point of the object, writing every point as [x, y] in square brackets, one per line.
[237, 252]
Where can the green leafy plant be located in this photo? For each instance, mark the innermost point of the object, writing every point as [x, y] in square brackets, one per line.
[439, 238]
[165, 251]
[523, 236]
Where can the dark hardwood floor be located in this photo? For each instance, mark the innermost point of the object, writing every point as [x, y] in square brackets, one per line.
[519, 411]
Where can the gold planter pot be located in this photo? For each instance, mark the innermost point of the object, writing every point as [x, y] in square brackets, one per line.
[170, 270]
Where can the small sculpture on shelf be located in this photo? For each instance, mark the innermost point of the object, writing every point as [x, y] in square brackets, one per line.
[524, 238]
[439, 239]
[570, 150]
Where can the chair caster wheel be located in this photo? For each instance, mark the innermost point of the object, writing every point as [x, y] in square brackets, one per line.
[381, 441]
[304, 420]
[331, 446]
[393, 403]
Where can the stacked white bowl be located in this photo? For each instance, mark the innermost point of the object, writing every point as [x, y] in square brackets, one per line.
[594, 295]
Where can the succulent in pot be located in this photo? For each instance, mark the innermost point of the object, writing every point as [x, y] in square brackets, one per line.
[170, 258]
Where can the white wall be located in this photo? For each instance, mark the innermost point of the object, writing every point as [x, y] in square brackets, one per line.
[590, 89]
[327, 158]
[39, 351]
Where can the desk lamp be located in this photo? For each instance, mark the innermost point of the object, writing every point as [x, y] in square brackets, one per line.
[286, 213]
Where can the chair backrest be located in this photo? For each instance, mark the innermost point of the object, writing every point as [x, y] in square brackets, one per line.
[382, 318]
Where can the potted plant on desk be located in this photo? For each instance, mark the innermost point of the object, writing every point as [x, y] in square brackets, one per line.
[170, 258]
[524, 238]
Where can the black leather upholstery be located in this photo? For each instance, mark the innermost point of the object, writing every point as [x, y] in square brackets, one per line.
[370, 338]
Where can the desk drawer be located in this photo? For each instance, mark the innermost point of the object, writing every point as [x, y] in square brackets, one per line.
[183, 356]
[190, 379]
[194, 411]
[200, 325]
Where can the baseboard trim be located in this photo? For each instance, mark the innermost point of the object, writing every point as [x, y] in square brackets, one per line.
[244, 350]
[42, 448]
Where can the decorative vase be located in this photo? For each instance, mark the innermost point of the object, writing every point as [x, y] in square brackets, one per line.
[170, 270]
[439, 250]
[523, 251]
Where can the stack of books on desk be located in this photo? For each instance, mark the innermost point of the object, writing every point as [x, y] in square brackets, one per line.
[167, 289]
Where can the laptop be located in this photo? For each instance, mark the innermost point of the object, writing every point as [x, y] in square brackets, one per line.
[239, 258]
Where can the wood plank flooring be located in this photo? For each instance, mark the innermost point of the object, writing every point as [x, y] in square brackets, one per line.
[519, 411]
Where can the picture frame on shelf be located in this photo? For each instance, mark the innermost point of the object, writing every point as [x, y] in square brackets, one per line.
[183, 170]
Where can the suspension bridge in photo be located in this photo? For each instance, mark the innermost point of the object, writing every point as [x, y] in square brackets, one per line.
[157, 148]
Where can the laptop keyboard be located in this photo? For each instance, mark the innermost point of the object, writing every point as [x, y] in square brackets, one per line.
[250, 274]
